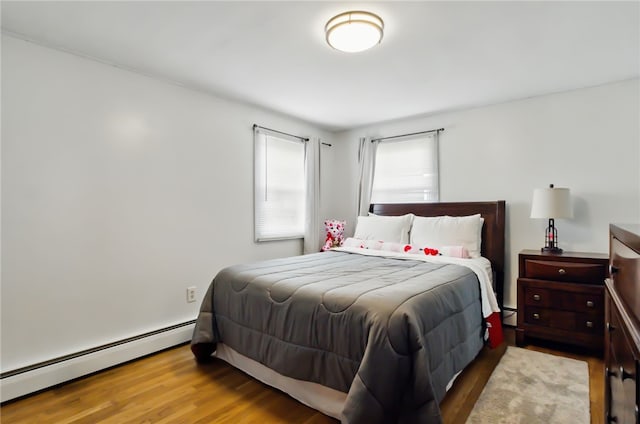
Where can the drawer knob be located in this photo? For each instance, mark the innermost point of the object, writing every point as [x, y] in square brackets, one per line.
[611, 419]
[536, 316]
[613, 269]
[610, 327]
[589, 324]
[624, 374]
[610, 373]
[536, 297]
[589, 304]
[562, 271]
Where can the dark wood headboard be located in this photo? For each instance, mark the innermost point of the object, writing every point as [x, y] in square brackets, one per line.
[493, 230]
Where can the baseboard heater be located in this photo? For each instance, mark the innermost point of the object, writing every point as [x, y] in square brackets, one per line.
[509, 316]
[32, 378]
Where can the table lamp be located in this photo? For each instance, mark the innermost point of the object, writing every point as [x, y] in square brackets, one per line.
[551, 203]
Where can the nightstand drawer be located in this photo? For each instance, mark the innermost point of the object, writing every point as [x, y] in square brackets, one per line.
[538, 316]
[565, 271]
[588, 303]
[564, 320]
[589, 323]
[562, 296]
[536, 296]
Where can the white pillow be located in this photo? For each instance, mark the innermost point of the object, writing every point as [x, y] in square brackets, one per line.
[384, 228]
[440, 231]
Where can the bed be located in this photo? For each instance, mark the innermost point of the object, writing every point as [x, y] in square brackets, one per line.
[363, 335]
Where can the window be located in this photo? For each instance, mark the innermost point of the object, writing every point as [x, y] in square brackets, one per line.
[279, 186]
[406, 170]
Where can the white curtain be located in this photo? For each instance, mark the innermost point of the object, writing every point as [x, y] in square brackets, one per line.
[366, 158]
[312, 201]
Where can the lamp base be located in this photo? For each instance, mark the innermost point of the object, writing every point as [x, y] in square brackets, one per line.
[551, 240]
[551, 250]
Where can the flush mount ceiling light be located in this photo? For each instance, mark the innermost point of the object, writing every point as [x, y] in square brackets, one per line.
[354, 31]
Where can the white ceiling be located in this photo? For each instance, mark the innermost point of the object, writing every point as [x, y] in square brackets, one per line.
[435, 56]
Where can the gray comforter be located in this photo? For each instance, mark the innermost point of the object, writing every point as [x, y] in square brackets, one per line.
[389, 332]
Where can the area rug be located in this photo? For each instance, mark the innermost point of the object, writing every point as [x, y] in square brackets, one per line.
[529, 387]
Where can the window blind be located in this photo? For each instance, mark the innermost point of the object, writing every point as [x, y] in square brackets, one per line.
[406, 170]
[279, 186]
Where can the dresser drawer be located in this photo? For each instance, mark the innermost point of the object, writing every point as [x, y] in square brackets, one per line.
[565, 271]
[625, 267]
[621, 367]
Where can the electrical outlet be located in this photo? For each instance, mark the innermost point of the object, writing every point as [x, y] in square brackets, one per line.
[191, 294]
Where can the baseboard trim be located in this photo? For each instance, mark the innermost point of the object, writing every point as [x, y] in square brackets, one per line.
[23, 381]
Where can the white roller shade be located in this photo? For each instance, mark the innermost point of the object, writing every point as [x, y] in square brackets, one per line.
[406, 170]
[279, 186]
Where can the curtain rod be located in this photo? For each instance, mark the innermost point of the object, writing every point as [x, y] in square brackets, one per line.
[406, 135]
[280, 132]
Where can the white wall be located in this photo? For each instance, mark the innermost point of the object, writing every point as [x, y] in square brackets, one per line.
[118, 192]
[587, 140]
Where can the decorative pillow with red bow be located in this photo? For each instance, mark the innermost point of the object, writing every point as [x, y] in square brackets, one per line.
[451, 251]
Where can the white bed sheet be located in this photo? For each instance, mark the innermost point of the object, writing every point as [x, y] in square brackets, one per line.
[321, 398]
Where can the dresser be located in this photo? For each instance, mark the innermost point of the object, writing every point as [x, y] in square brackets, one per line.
[561, 298]
[622, 334]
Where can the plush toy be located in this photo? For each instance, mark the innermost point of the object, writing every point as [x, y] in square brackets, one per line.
[335, 233]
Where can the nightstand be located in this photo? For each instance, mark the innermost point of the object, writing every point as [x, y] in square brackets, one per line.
[561, 298]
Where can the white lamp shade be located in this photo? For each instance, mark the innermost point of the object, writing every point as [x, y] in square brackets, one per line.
[551, 203]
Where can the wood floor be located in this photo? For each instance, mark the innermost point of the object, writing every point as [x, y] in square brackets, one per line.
[169, 387]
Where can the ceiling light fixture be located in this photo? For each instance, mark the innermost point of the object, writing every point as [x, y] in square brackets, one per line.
[354, 31]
